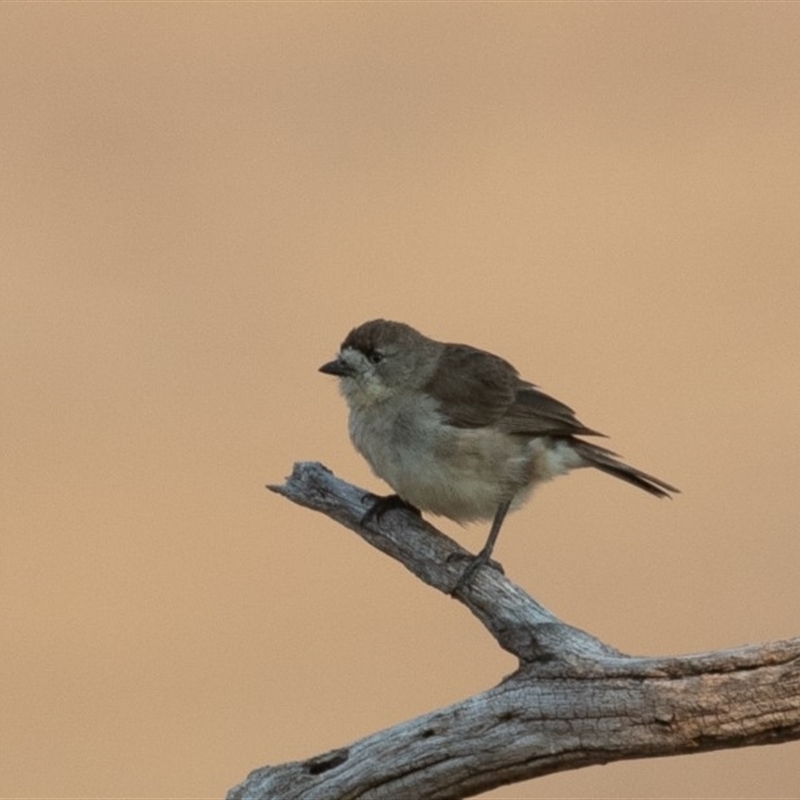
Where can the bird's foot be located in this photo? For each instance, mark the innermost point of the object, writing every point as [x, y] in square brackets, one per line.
[380, 505]
[476, 562]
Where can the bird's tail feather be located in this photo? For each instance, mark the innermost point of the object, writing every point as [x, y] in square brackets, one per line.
[607, 461]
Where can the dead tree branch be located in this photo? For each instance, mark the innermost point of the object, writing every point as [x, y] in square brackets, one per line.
[574, 701]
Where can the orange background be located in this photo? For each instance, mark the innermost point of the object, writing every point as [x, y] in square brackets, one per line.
[200, 200]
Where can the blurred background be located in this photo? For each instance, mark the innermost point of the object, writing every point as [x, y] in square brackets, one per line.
[200, 200]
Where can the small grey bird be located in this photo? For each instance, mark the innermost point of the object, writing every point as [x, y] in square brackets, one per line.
[455, 431]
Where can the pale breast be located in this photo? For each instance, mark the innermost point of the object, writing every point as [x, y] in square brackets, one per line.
[463, 474]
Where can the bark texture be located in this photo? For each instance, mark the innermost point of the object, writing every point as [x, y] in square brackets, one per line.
[574, 701]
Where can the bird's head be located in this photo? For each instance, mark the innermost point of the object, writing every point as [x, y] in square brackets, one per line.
[381, 359]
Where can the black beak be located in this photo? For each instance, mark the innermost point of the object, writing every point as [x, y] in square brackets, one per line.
[336, 367]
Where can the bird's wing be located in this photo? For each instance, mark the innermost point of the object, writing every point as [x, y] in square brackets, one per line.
[537, 414]
[475, 389]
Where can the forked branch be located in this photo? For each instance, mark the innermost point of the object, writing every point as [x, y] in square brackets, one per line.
[574, 701]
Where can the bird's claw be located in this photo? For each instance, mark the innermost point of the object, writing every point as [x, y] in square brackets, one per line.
[380, 505]
[476, 562]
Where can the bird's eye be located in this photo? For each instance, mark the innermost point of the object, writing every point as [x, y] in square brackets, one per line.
[375, 356]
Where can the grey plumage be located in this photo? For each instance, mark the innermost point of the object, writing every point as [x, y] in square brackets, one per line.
[454, 429]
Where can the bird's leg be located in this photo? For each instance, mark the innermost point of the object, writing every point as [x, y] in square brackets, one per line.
[483, 558]
[380, 505]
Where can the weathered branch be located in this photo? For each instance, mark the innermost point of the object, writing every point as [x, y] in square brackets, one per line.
[574, 701]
